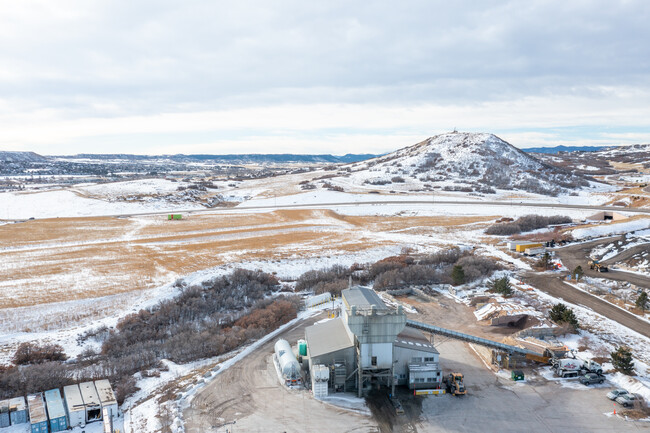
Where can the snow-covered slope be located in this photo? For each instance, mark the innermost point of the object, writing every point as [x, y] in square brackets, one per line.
[469, 162]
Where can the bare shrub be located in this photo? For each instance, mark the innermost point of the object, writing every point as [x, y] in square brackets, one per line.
[310, 279]
[526, 223]
[477, 267]
[32, 353]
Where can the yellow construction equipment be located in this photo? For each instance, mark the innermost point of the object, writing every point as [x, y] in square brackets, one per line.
[596, 265]
[454, 384]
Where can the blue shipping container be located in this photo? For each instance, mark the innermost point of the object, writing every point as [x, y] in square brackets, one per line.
[39, 427]
[4, 413]
[37, 413]
[56, 411]
[18, 410]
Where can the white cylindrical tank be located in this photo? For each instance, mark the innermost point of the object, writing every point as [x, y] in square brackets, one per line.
[318, 299]
[289, 365]
[282, 346]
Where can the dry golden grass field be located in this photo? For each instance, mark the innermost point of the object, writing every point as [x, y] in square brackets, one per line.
[63, 259]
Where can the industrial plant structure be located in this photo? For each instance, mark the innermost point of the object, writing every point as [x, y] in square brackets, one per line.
[369, 345]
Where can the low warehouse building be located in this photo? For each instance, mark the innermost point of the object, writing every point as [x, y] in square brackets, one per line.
[18, 410]
[75, 407]
[92, 404]
[37, 414]
[56, 411]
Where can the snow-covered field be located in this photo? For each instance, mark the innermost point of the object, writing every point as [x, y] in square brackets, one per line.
[612, 229]
[67, 203]
[61, 322]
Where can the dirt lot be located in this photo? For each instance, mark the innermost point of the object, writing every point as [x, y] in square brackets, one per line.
[251, 394]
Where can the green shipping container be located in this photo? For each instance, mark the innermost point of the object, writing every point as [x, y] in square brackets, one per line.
[174, 217]
[302, 348]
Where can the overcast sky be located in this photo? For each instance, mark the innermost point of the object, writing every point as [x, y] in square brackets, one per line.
[153, 77]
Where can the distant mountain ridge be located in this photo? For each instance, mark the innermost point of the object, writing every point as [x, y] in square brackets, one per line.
[558, 149]
[251, 158]
[11, 156]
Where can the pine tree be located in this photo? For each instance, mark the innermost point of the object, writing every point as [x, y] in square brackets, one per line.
[560, 313]
[502, 286]
[557, 312]
[578, 272]
[642, 300]
[622, 360]
[458, 275]
[545, 261]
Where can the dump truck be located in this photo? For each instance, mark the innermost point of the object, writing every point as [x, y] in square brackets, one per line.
[454, 384]
[597, 266]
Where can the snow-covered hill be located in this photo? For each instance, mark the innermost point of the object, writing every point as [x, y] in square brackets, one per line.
[6, 156]
[468, 162]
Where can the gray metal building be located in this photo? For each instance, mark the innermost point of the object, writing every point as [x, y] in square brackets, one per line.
[331, 344]
[416, 361]
[368, 345]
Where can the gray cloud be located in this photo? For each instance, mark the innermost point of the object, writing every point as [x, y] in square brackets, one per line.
[118, 58]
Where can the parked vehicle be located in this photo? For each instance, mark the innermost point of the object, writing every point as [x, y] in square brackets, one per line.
[590, 378]
[615, 393]
[627, 400]
[573, 367]
[454, 384]
[568, 367]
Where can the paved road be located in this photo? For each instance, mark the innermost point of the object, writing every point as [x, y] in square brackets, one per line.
[433, 202]
[575, 255]
[628, 253]
[556, 287]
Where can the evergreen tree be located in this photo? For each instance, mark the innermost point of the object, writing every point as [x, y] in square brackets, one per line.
[560, 313]
[622, 360]
[578, 272]
[642, 300]
[458, 275]
[501, 286]
[545, 261]
[557, 312]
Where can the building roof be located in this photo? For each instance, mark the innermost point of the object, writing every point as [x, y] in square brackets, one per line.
[17, 404]
[36, 408]
[327, 337]
[89, 394]
[362, 298]
[73, 398]
[414, 339]
[105, 392]
[54, 404]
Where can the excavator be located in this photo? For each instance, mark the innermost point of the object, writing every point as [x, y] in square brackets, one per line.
[454, 384]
